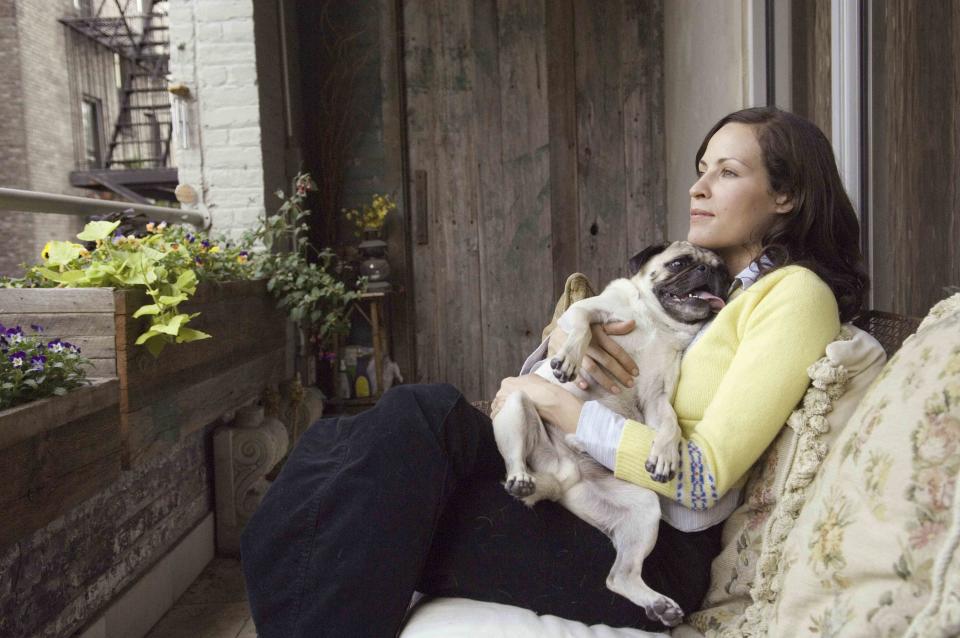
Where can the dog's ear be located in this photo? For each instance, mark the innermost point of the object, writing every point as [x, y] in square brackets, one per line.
[642, 257]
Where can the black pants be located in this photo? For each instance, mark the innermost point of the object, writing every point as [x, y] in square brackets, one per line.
[406, 496]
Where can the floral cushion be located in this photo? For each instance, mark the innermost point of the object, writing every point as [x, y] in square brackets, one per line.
[773, 495]
[860, 559]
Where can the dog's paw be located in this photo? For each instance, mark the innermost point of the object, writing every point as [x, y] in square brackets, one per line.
[520, 485]
[665, 611]
[565, 368]
[663, 461]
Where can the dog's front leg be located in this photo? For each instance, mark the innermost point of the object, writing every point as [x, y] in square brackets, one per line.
[566, 363]
[516, 435]
[664, 458]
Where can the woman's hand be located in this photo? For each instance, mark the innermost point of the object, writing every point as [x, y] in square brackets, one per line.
[605, 360]
[554, 404]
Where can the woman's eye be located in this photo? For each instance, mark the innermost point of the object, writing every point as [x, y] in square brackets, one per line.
[728, 172]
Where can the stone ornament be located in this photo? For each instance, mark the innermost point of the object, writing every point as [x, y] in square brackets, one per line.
[244, 452]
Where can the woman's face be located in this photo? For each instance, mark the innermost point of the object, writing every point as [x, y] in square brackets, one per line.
[731, 205]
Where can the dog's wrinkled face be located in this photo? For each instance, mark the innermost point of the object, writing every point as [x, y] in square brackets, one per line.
[689, 282]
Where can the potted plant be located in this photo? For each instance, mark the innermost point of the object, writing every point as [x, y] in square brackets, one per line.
[369, 221]
[59, 430]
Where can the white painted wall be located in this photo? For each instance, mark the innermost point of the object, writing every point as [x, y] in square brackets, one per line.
[706, 77]
[212, 51]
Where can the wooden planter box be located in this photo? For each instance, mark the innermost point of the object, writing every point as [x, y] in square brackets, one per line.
[189, 385]
[55, 453]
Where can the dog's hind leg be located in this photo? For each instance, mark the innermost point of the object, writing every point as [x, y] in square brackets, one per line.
[516, 431]
[630, 516]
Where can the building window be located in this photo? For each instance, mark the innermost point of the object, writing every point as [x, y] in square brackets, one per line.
[85, 7]
[92, 127]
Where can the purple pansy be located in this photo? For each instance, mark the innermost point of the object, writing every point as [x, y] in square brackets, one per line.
[56, 346]
[17, 358]
[37, 361]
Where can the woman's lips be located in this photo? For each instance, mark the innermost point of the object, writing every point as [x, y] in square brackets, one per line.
[696, 213]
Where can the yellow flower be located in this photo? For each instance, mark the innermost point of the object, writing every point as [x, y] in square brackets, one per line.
[215, 249]
[45, 253]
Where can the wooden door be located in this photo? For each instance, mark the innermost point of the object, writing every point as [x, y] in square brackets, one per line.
[535, 150]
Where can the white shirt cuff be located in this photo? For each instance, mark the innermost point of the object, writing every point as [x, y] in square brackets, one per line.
[598, 431]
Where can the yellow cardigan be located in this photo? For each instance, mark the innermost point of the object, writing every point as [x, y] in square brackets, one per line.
[738, 384]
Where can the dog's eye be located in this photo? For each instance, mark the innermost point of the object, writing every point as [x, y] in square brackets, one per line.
[676, 264]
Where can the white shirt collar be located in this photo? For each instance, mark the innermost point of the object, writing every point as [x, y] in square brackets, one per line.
[751, 273]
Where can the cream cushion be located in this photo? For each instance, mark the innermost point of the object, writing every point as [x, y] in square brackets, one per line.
[463, 618]
[860, 559]
[754, 533]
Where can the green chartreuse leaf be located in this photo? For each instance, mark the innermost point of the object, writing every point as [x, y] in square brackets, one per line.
[187, 281]
[171, 327]
[68, 277]
[62, 253]
[149, 334]
[156, 344]
[173, 300]
[97, 230]
[149, 309]
[189, 334]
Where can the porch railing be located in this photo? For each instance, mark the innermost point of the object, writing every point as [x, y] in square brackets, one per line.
[12, 199]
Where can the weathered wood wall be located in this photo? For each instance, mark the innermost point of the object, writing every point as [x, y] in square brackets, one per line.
[539, 126]
[915, 163]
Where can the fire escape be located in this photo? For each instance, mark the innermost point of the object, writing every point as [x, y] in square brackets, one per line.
[134, 160]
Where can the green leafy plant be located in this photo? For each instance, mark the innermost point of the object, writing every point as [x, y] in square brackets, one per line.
[306, 281]
[33, 367]
[167, 263]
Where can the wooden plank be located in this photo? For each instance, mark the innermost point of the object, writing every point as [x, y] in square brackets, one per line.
[495, 225]
[102, 368]
[641, 79]
[61, 300]
[422, 43]
[62, 324]
[202, 397]
[25, 515]
[128, 301]
[601, 180]
[30, 419]
[236, 326]
[459, 334]
[400, 309]
[516, 235]
[31, 464]
[562, 103]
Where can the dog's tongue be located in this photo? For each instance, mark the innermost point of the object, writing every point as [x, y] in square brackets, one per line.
[716, 303]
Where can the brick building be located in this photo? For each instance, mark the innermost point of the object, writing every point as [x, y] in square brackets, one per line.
[35, 123]
[85, 111]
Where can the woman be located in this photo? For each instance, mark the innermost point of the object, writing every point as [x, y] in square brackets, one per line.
[406, 496]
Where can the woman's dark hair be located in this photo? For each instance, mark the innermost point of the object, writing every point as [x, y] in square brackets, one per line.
[821, 232]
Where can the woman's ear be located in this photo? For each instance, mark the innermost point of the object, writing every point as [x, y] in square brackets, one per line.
[784, 204]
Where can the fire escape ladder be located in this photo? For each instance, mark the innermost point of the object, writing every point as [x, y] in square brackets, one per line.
[142, 132]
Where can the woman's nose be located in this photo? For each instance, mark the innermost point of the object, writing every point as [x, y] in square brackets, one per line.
[698, 189]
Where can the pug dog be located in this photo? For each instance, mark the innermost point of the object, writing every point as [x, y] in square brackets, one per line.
[673, 289]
